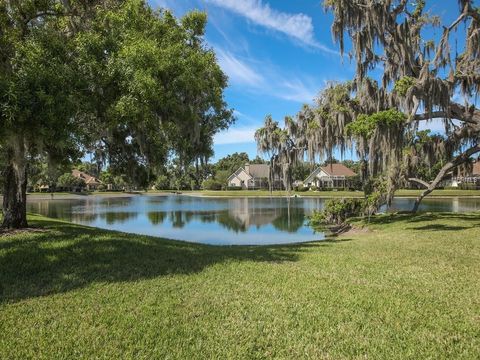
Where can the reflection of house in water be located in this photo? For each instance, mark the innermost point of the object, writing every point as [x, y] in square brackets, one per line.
[250, 212]
[246, 212]
[240, 214]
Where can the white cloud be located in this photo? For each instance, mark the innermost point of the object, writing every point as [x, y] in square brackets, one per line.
[297, 26]
[264, 78]
[236, 136]
[297, 90]
[237, 70]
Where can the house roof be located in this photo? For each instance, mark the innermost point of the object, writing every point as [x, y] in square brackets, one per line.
[253, 171]
[258, 170]
[338, 170]
[89, 179]
[331, 170]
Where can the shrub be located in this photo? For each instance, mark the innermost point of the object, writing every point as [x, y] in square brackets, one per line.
[313, 188]
[212, 184]
[234, 188]
[337, 211]
[301, 189]
[101, 187]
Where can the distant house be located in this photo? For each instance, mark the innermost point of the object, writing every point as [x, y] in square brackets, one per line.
[251, 176]
[330, 176]
[472, 178]
[91, 182]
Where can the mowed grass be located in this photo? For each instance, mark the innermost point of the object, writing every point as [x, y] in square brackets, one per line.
[407, 289]
[334, 194]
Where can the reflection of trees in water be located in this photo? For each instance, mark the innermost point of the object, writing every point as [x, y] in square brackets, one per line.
[156, 217]
[230, 222]
[120, 201]
[178, 219]
[290, 220]
[53, 209]
[84, 217]
[240, 215]
[118, 217]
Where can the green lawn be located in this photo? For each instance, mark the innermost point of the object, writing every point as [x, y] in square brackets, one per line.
[399, 193]
[407, 289]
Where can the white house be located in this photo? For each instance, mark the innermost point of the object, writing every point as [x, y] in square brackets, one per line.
[251, 176]
[330, 176]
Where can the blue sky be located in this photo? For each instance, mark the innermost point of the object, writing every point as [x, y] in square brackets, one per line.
[277, 54]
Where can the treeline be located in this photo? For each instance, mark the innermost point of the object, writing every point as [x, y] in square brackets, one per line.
[43, 177]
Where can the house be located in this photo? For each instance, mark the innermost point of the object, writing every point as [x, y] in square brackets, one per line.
[330, 176]
[91, 182]
[472, 179]
[251, 176]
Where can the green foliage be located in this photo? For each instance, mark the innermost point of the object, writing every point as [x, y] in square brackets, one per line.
[162, 182]
[337, 211]
[69, 181]
[404, 84]
[118, 78]
[365, 125]
[212, 184]
[232, 163]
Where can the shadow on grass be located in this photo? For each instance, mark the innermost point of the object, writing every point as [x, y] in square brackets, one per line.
[430, 221]
[422, 217]
[441, 227]
[68, 257]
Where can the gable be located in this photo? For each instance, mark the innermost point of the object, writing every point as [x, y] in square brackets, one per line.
[240, 174]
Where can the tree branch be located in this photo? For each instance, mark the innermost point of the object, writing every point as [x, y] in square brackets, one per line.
[460, 159]
[459, 112]
[419, 181]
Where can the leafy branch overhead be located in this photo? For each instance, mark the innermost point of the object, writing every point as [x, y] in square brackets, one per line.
[116, 78]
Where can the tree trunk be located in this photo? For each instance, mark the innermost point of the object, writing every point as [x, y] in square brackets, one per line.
[15, 189]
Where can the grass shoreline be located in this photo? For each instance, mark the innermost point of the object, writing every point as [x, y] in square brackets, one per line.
[406, 289]
[258, 193]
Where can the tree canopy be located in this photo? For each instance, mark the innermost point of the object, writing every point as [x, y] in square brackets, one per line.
[421, 80]
[131, 84]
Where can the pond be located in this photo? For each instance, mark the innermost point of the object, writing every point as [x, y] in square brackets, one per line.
[216, 221]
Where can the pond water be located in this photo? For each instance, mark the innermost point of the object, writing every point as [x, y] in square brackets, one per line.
[216, 221]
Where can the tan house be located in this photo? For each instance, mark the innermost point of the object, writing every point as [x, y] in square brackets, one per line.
[472, 178]
[330, 176]
[91, 182]
[251, 176]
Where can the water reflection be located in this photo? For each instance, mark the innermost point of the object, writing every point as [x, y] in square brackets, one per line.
[213, 221]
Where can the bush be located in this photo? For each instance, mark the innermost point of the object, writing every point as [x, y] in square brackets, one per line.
[234, 188]
[313, 188]
[337, 211]
[162, 183]
[301, 188]
[212, 184]
[101, 187]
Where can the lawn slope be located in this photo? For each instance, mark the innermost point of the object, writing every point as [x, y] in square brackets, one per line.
[407, 289]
